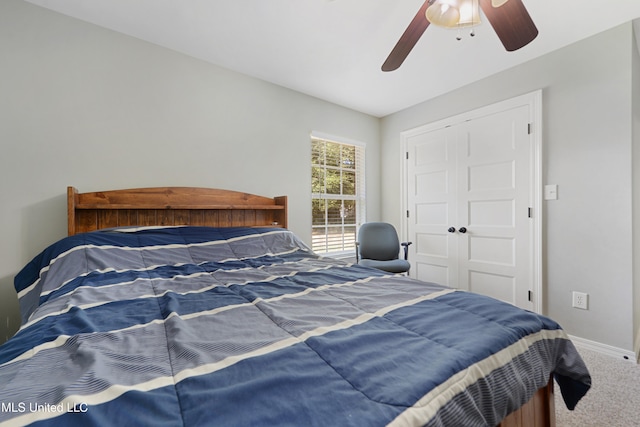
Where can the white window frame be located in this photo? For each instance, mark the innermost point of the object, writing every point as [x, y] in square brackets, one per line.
[348, 241]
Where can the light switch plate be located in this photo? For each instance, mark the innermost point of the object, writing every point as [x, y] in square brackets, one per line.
[551, 192]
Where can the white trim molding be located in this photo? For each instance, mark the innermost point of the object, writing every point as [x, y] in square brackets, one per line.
[334, 138]
[604, 349]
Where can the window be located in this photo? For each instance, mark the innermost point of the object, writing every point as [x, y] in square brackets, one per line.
[337, 195]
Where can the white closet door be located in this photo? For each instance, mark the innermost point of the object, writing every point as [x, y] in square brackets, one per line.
[493, 206]
[432, 188]
[469, 193]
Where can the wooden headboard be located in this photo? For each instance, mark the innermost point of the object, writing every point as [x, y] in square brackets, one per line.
[172, 206]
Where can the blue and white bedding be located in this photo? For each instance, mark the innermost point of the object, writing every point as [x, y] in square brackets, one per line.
[237, 327]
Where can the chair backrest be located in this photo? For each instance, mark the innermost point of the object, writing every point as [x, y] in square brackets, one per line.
[379, 241]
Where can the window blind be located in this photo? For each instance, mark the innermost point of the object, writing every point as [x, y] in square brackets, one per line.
[337, 195]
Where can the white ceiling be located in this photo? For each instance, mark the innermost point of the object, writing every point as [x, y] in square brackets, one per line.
[333, 49]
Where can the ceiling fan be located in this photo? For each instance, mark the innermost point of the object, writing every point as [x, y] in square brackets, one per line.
[509, 19]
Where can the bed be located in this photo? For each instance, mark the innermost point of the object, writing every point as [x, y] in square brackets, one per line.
[183, 306]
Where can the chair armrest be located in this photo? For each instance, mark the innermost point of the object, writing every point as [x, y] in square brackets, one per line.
[406, 249]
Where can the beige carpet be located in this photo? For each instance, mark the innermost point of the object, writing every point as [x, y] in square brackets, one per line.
[614, 397]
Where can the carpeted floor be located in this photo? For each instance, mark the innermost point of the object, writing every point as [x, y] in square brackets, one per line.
[614, 397]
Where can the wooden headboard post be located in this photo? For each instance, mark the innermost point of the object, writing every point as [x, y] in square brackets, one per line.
[72, 200]
[172, 206]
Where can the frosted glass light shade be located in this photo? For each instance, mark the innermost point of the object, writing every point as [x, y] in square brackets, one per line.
[469, 13]
[454, 13]
[498, 3]
[444, 13]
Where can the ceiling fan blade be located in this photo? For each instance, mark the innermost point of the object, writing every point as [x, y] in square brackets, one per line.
[408, 39]
[512, 23]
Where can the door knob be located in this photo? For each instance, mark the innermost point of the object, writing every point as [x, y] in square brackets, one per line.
[462, 230]
[451, 230]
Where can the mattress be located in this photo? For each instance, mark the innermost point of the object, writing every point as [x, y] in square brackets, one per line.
[247, 326]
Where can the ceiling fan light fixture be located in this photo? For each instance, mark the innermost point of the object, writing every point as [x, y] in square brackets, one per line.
[444, 13]
[512, 24]
[469, 14]
[454, 13]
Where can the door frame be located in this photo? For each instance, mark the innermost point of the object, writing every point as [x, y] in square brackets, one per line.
[534, 101]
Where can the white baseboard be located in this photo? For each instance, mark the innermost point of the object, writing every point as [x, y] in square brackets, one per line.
[604, 349]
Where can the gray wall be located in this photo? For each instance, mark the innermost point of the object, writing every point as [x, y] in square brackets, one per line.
[587, 148]
[88, 107]
[84, 106]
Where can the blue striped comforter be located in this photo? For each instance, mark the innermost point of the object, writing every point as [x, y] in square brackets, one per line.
[236, 327]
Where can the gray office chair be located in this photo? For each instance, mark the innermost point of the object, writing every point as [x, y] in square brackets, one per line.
[378, 247]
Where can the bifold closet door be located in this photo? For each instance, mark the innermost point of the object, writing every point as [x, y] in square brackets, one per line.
[493, 206]
[468, 196]
[432, 201]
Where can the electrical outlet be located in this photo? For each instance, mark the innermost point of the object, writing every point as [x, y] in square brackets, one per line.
[580, 300]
